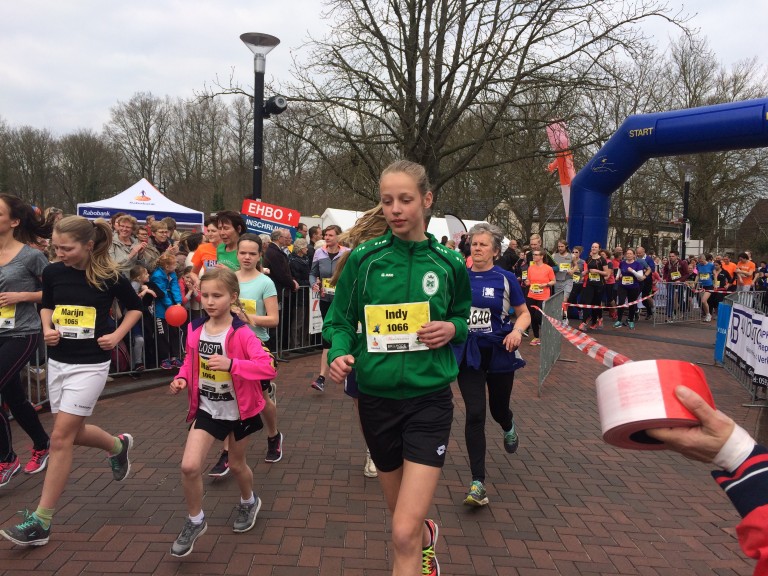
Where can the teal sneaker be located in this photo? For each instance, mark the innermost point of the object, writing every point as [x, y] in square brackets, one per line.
[29, 533]
[511, 439]
[476, 495]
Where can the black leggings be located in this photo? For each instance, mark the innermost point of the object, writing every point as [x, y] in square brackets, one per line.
[631, 294]
[535, 315]
[472, 384]
[593, 294]
[14, 354]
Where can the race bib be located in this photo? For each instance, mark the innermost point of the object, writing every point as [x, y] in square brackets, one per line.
[75, 322]
[525, 275]
[594, 277]
[215, 385]
[704, 276]
[393, 327]
[576, 277]
[536, 289]
[565, 267]
[675, 275]
[480, 320]
[249, 306]
[8, 316]
[328, 288]
[627, 280]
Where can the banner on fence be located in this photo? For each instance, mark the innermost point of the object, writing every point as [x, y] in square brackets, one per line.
[723, 321]
[315, 318]
[747, 343]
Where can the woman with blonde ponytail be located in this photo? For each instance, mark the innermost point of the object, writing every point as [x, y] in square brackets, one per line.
[78, 292]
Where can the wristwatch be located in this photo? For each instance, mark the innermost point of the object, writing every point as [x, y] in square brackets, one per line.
[522, 332]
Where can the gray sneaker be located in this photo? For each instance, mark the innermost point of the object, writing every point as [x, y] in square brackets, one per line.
[246, 516]
[120, 463]
[186, 540]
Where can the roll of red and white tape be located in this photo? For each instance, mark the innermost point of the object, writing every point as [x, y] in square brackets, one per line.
[638, 396]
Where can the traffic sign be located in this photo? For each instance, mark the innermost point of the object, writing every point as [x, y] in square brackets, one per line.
[259, 226]
[270, 212]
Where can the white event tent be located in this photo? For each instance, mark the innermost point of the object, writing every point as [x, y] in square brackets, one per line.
[142, 200]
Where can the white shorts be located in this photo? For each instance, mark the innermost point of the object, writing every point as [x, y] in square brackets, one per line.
[75, 388]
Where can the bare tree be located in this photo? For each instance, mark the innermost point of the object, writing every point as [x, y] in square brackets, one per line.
[31, 160]
[85, 169]
[397, 78]
[139, 130]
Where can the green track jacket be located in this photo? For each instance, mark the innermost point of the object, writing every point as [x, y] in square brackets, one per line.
[387, 270]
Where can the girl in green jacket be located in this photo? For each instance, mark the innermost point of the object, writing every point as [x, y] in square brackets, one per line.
[412, 298]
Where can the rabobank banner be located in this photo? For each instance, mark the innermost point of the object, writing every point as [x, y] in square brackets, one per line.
[747, 343]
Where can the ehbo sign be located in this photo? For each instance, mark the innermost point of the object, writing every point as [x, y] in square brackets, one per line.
[271, 213]
[261, 217]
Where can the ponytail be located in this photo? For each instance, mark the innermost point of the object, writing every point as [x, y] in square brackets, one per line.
[370, 225]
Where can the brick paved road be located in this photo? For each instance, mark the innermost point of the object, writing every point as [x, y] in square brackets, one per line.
[566, 503]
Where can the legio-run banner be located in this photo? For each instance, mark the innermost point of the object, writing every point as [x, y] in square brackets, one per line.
[747, 343]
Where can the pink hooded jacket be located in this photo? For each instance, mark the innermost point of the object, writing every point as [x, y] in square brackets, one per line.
[250, 364]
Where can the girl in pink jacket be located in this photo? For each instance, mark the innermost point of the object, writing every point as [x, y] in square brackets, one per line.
[223, 367]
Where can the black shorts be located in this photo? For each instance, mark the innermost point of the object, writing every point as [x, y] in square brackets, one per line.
[324, 307]
[413, 429]
[350, 385]
[220, 429]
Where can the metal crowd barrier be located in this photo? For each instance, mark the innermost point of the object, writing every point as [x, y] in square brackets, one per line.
[551, 341]
[676, 303]
[295, 333]
[742, 373]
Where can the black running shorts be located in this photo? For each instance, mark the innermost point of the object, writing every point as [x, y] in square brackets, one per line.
[413, 429]
[220, 429]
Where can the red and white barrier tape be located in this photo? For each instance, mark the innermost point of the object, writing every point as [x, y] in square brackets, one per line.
[589, 346]
[625, 305]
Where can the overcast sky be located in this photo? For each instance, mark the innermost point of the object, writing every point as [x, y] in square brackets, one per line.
[64, 64]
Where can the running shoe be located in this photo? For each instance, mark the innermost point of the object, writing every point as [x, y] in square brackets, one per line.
[8, 470]
[708, 318]
[167, 364]
[617, 324]
[139, 368]
[272, 392]
[319, 384]
[511, 439]
[369, 470]
[583, 327]
[121, 465]
[535, 342]
[221, 468]
[429, 564]
[246, 516]
[186, 540]
[37, 462]
[631, 325]
[476, 495]
[599, 325]
[28, 533]
[177, 362]
[274, 449]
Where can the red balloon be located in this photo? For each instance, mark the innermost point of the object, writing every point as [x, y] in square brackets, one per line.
[176, 315]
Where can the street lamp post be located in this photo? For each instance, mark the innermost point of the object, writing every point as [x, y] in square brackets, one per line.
[260, 45]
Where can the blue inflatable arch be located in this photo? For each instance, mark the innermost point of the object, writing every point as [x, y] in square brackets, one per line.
[707, 129]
